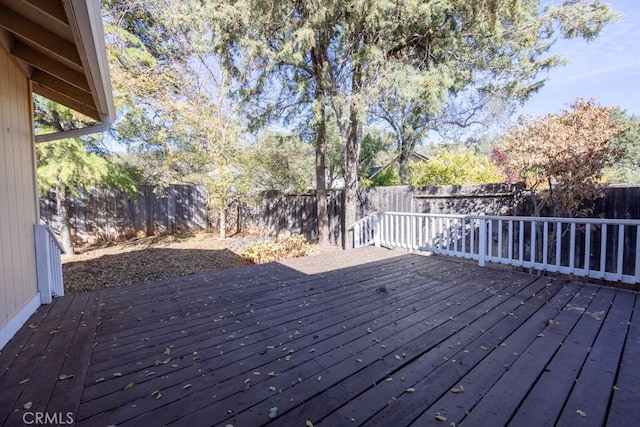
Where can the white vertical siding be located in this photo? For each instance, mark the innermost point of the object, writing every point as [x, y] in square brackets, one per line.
[18, 194]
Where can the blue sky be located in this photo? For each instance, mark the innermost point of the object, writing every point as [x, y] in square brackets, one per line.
[607, 68]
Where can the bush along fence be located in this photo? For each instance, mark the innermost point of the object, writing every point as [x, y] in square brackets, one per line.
[109, 215]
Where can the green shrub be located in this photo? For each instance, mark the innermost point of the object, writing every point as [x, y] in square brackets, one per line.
[294, 246]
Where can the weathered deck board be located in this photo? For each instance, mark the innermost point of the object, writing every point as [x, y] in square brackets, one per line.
[371, 337]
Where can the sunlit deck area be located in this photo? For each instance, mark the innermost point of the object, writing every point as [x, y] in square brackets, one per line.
[367, 337]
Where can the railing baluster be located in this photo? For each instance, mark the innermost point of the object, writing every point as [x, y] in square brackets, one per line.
[472, 230]
[558, 245]
[489, 238]
[587, 249]
[521, 243]
[545, 244]
[572, 248]
[603, 250]
[500, 251]
[482, 243]
[510, 243]
[455, 236]
[532, 255]
[620, 252]
[464, 236]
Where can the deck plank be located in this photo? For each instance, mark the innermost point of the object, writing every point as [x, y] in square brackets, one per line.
[595, 382]
[337, 327]
[366, 393]
[484, 358]
[371, 337]
[624, 406]
[18, 379]
[543, 408]
[497, 405]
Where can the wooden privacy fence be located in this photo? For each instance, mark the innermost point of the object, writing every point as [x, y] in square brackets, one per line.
[607, 249]
[107, 215]
[277, 212]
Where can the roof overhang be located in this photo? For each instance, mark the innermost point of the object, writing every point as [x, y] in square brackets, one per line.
[60, 45]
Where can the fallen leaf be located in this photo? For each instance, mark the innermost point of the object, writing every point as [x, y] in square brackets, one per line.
[186, 386]
[256, 373]
[167, 351]
[391, 401]
[359, 360]
[129, 386]
[457, 390]
[319, 377]
[155, 392]
[398, 357]
[99, 380]
[388, 379]
[158, 396]
[272, 374]
[581, 413]
[273, 412]
[410, 390]
[65, 377]
[27, 405]
[272, 388]
[117, 374]
[440, 417]
[308, 424]
[615, 387]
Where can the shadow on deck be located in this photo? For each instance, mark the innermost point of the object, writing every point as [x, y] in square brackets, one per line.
[371, 337]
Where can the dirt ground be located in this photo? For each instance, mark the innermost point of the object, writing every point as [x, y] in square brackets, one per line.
[149, 259]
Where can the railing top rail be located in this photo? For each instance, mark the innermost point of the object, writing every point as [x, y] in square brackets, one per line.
[363, 219]
[54, 238]
[609, 221]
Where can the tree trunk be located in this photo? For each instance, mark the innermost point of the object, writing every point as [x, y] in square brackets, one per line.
[317, 56]
[403, 166]
[352, 154]
[223, 222]
[65, 223]
[321, 186]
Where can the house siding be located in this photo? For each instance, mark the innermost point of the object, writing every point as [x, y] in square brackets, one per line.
[18, 194]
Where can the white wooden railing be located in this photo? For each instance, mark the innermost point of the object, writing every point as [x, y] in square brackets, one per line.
[49, 264]
[606, 249]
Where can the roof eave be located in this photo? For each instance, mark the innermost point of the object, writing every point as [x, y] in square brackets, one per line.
[86, 26]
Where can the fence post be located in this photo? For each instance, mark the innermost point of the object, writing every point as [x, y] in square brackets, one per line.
[376, 230]
[482, 243]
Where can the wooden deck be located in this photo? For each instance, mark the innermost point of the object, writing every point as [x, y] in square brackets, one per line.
[370, 337]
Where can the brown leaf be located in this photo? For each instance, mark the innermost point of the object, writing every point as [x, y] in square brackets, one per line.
[129, 386]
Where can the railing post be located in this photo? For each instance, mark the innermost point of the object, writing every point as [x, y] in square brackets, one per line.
[48, 264]
[43, 264]
[482, 243]
[377, 224]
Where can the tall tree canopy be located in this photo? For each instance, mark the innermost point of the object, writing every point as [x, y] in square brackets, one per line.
[413, 63]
